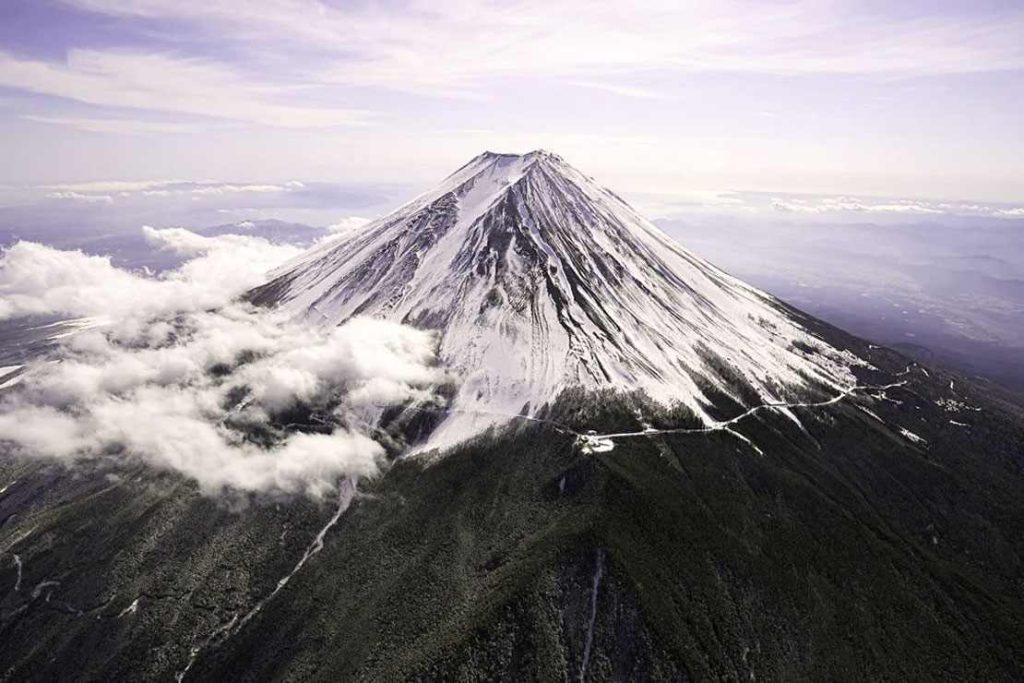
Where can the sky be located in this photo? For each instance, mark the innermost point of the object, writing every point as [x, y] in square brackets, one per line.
[908, 100]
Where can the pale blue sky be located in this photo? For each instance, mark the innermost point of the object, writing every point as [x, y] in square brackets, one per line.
[908, 100]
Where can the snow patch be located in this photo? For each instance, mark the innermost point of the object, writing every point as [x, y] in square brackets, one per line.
[870, 412]
[911, 436]
[130, 609]
[17, 563]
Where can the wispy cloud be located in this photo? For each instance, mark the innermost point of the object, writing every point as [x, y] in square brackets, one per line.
[228, 188]
[846, 204]
[81, 197]
[827, 207]
[453, 43]
[861, 95]
[113, 185]
[114, 126]
[906, 207]
[164, 83]
[105, 191]
[623, 90]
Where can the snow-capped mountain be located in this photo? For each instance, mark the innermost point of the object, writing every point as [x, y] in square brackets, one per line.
[537, 279]
[874, 527]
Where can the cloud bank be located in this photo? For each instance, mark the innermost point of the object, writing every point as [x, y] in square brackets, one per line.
[37, 279]
[184, 378]
[906, 207]
[110, 191]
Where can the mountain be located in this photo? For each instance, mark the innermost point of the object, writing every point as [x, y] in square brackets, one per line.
[781, 500]
[538, 279]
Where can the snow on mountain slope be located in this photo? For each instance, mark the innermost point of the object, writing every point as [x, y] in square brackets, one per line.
[538, 279]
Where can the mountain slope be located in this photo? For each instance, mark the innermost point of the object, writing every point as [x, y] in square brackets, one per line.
[538, 279]
[847, 552]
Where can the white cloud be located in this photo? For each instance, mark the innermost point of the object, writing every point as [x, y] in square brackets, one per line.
[347, 225]
[36, 279]
[113, 186]
[898, 206]
[451, 45]
[41, 429]
[455, 48]
[116, 126]
[794, 207]
[80, 197]
[158, 402]
[164, 83]
[102, 192]
[522, 56]
[846, 204]
[236, 189]
[182, 377]
[632, 91]
[811, 205]
[1017, 212]
[657, 205]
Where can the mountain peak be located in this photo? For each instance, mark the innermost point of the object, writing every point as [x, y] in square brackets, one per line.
[511, 164]
[535, 154]
[545, 155]
[538, 279]
[491, 176]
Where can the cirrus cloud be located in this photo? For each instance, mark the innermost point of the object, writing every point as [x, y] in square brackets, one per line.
[165, 83]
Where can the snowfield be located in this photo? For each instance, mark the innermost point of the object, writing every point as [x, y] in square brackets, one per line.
[538, 279]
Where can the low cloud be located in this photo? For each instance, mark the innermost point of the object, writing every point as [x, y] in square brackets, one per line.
[37, 279]
[113, 185]
[184, 378]
[80, 197]
[114, 126]
[906, 207]
[227, 188]
[103, 192]
[347, 225]
[846, 204]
